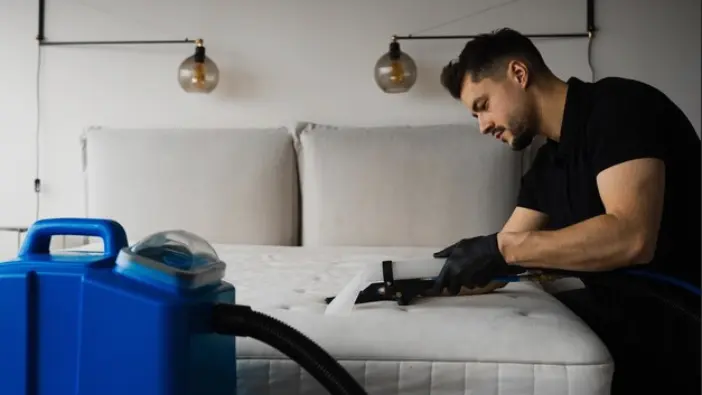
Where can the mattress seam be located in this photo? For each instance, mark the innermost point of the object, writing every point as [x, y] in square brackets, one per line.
[437, 361]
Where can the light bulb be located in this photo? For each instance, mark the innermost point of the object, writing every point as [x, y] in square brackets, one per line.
[198, 73]
[395, 71]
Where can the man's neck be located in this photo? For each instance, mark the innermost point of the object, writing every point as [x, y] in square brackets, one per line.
[551, 99]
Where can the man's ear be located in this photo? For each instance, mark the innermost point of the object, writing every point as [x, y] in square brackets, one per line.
[519, 73]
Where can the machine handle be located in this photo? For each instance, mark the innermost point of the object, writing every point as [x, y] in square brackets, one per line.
[39, 235]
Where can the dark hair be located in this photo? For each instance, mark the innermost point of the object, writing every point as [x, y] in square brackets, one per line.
[487, 54]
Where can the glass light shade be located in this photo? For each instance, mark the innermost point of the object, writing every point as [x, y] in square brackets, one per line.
[395, 72]
[198, 73]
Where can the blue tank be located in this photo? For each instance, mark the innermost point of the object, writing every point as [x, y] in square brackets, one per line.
[127, 320]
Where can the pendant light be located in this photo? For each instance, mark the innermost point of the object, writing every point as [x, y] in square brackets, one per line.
[395, 71]
[198, 73]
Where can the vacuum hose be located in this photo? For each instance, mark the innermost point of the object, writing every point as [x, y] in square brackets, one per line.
[237, 320]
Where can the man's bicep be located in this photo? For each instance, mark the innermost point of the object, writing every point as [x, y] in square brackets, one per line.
[525, 219]
[633, 192]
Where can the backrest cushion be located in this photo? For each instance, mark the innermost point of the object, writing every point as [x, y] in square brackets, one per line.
[232, 186]
[403, 186]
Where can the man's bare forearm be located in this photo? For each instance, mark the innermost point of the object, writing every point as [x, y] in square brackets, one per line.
[600, 243]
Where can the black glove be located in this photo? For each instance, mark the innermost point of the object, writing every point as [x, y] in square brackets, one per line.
[473, 262]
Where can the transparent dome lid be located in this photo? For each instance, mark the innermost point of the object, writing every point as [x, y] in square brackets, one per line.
[176, 248]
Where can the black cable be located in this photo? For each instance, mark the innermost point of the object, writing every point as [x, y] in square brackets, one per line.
[241, 321]
[37, 135]
[589, 57]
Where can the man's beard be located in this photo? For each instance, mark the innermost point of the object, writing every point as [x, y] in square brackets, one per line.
[523, 132]
[522, 139]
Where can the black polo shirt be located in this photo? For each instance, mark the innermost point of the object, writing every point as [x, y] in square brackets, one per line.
[609, 122]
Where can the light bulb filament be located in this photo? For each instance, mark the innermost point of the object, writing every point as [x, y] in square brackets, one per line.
[198, 74]
[397, 72]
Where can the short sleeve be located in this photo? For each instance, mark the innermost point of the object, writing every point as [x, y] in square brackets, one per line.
[625, 128]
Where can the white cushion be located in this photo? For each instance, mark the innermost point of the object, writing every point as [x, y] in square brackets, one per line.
[226, 185]
[403, 186]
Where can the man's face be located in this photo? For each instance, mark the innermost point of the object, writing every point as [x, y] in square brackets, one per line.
[503, 109]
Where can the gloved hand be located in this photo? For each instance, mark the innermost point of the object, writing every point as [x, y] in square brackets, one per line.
[471, 263]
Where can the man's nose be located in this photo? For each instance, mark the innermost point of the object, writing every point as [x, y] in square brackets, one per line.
[485, 126]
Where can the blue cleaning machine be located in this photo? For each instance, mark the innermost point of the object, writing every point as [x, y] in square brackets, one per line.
[154, 318]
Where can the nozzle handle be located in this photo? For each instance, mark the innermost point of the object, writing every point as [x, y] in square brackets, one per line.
[39, 235]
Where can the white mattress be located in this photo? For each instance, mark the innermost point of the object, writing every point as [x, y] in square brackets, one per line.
[518, 340]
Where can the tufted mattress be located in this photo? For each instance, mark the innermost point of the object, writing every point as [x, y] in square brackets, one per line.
[517, 340]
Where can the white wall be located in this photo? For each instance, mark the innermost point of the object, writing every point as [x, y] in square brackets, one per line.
[283, 61]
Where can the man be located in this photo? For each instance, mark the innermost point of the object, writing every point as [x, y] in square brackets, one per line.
[615, 190]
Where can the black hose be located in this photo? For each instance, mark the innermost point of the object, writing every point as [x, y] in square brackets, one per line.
[237, 320]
